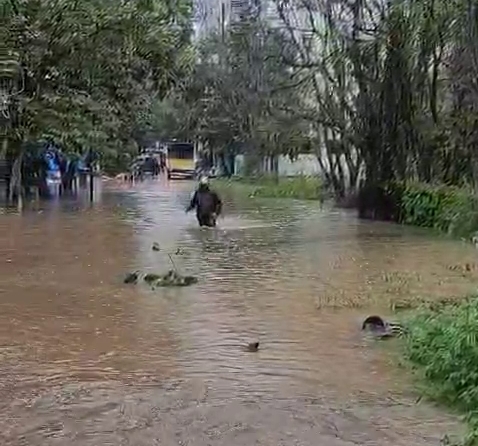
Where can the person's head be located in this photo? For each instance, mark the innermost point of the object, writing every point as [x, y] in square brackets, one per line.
[204, 184]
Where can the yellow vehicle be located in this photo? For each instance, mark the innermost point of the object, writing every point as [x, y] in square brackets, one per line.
[181, 160]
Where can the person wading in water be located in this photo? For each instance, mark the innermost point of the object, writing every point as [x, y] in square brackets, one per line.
[207, 203]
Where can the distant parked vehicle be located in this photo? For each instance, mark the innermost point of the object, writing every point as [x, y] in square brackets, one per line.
[181, 160]
[145, 165]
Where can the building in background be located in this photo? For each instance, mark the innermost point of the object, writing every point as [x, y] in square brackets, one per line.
[215, 16]
[209, 16]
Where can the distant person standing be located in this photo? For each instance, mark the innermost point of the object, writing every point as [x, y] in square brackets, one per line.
[68, 177]
[162, 162]
[156, 167]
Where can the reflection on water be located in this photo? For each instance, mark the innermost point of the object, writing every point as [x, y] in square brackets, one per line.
[87, 360]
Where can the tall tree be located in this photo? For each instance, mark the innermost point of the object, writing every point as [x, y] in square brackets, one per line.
[87, 70]
[241, 94]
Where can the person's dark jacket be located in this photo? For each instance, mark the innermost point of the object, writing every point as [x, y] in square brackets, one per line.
[205, 201]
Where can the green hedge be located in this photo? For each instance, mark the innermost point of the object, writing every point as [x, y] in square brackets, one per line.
[448, 209]
[443, 347]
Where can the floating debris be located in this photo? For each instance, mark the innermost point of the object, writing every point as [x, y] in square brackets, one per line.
[402, 305]
[131, 277]
[252, 347]
[151, 278]
[173, 279]
[474, 239]
[463, 268]
[156, 247]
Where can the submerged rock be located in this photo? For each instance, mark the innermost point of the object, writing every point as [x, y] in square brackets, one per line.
[373, 323]
[131, 277]
[382, 329]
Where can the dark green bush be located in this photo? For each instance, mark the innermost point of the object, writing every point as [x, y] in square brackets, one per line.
[448, 209]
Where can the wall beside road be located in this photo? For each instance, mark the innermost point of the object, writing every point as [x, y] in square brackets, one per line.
[305, 164]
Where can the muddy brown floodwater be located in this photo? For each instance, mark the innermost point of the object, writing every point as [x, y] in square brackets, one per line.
[87, 360]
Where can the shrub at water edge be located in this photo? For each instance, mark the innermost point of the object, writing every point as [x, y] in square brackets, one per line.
[448, 209]
[451, 210]
[443, 348]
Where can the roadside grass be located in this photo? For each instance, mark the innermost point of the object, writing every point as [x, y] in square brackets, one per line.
[299, 188]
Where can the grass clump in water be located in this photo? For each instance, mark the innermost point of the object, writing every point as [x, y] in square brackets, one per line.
[443, 347]
[300, 188]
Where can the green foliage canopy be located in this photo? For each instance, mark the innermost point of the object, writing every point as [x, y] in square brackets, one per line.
[86, 70]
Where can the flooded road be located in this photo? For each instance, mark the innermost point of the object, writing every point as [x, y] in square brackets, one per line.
[87, 360]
